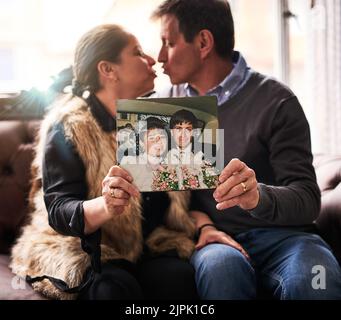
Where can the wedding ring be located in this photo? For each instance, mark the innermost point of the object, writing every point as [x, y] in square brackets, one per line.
[112, 192]
[244, 186]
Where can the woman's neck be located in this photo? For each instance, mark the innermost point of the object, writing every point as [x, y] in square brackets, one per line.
[108, 99]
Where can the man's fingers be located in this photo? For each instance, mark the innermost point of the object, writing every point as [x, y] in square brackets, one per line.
[235, 165]
[228, 203]
[201, 243]
[234, 180]
[234, 244]
[239, 190]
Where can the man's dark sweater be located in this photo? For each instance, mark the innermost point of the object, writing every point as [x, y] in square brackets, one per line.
[264, 126]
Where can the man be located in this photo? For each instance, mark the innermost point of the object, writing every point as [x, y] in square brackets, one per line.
[252, 230]
[182, 124]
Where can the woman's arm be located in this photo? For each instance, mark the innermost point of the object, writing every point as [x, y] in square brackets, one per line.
[209, 234]
[65, 189]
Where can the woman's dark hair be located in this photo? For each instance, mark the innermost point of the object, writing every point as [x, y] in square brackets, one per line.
[182, 116]
[104, 42]
[153, 123]
[196, 15]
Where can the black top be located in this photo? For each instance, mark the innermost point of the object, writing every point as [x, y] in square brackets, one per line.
[265, 126]
[65, 186]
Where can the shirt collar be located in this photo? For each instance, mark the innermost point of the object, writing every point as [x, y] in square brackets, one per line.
[106, 121]
[230, 84]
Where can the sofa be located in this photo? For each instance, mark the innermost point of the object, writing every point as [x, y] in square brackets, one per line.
[16, 153]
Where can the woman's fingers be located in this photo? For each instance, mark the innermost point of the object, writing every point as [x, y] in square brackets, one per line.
[119, 193]
[121, 183]
[117, 171]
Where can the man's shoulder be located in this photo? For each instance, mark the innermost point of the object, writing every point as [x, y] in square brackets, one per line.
[270, 84]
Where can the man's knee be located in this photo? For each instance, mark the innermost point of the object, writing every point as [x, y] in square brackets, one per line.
[222, 272]
[312, 272]
[220, 258]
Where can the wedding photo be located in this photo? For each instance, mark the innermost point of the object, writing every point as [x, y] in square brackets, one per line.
[169, 144]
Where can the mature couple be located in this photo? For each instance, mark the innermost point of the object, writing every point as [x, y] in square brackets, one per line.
[92, 229]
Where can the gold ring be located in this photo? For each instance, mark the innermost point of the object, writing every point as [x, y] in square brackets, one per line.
[112, 192]
[244, 186]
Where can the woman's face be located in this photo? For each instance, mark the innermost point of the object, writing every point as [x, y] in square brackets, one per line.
[155, 142]
[134, 72]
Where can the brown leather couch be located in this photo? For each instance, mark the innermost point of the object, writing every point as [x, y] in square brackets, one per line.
[16, 153]
[16, 141]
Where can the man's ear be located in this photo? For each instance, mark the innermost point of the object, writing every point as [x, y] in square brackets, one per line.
[206, 42]
[107, 70]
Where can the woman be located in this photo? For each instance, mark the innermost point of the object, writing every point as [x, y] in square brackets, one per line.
[153, 146]
[92, 206]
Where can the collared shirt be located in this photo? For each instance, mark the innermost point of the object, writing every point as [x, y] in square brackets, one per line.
[231, 84]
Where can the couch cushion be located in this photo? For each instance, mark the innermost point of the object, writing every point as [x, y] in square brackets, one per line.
[12, 287]
[328, 172]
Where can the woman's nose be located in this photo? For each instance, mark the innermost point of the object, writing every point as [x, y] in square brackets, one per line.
[151, 61]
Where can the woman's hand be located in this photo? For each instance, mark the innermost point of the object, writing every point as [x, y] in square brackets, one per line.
[117, 188]
[210, 234]
[239, 187]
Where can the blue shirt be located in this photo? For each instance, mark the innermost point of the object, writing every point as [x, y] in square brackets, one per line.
[231, 84]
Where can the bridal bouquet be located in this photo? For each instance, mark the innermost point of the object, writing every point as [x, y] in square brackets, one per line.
[165, 179]
[210, 175]
[190, 178]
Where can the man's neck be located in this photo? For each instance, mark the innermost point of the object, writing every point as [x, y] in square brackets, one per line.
[213, 72]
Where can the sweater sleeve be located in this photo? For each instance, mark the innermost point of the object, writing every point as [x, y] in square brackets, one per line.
[295, 199]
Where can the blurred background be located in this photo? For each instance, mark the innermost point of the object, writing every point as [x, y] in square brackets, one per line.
[296, 41]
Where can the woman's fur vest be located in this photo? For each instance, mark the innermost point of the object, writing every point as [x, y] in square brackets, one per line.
[40, 250]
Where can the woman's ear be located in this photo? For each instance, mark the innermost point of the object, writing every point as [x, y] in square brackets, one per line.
[206, 42]
[107, 70]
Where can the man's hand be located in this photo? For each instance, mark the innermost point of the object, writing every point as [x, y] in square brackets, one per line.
[238, 187]
[212, 235]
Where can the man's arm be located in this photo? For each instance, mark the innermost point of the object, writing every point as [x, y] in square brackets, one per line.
[295, 199]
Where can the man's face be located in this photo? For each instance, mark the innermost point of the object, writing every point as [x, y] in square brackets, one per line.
[181, 60]
[182, 134]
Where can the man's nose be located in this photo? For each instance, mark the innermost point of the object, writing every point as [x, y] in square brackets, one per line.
[162, 57]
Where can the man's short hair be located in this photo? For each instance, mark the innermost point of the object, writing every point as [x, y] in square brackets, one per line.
[196, 15]
[183, 116]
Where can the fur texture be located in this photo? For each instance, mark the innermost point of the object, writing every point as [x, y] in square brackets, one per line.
[42, 251]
